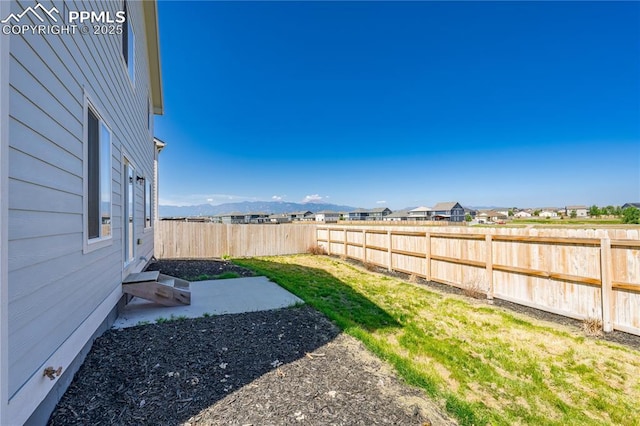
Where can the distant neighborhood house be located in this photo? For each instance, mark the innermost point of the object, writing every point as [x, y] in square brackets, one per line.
[636, 205]
[279, 218]
[420, 213]
[548, 213]
[491, 216]
[328, 216]
[451, 211]
[372, 214]
[302, 216]
[522, 214]
[397, 216]
[230, 218]
[580, 211]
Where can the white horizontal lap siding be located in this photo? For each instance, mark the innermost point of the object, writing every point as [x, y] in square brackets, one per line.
[53, 286]
[4, 209]
[68, 300]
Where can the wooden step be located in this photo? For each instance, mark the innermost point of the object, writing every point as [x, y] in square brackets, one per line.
[166, 280]
[142, 277]
[176, 282]
[158, 288]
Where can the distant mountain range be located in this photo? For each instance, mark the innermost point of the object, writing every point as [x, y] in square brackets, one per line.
[270, 207]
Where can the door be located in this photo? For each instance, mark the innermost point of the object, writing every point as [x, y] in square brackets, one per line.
[129, 213]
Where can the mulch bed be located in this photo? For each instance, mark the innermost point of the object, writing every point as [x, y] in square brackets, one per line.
[190, 269]
[281, 367]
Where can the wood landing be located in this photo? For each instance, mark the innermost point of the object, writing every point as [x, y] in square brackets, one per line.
[158, 288]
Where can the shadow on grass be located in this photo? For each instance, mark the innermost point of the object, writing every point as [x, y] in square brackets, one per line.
[337, 300]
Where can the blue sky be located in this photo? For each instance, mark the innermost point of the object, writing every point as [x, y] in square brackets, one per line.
[400, 104]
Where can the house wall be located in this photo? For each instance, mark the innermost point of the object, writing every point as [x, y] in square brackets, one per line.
[55, 288]
[579, 212]
[4, 211]
[457, 214]
[327, 218]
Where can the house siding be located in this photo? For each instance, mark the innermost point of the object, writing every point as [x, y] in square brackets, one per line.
[4, 220]
[54, 286]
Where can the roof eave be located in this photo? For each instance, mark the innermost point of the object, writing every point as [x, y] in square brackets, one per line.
[159, 144]
[150, 9]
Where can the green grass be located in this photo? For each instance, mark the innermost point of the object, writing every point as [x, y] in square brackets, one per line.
[485, 365]
[162, 320]
[207, 277]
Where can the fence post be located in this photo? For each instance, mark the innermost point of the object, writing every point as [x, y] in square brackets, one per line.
[428, 256]
[389, 252]
[328, 241]
[606, 288]
[364, 246]
[489, 261]
[344, 235]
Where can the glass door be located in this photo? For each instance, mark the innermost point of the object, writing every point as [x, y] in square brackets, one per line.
[129, 213]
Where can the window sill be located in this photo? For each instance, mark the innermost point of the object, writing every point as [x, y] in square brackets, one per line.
[96, 244]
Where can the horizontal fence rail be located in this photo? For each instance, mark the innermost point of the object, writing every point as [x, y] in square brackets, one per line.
[577, 273]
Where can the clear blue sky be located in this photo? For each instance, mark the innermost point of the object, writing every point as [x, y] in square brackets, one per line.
[401, 104]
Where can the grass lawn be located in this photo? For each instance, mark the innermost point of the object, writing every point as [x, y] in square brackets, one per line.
[483, 364]
[207, 277]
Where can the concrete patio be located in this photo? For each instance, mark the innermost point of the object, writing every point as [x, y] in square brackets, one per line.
[215, 297]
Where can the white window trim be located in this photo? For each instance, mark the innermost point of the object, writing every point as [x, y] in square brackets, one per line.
[126, 159]
[125, 64]
[148, 197]
[92, 244]
[132, 53]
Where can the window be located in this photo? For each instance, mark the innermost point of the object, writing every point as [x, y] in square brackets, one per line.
[129, 212]
[98, 177]
[147, 203]
[128, 45]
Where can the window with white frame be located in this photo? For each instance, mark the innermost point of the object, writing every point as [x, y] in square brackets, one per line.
[128, 45]
[147, 204]
[98, 177]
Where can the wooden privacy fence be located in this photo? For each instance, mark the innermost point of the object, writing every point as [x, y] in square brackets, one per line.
[577, 273]
[190, 240]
